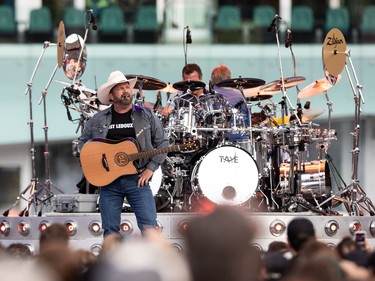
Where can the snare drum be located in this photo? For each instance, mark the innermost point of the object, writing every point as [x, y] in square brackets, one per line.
[225, 175]
[315, 180]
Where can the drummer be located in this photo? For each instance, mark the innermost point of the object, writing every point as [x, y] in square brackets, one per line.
[191, 72]
[233, 96]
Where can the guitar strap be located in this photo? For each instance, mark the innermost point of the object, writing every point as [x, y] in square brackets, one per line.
[139, 127]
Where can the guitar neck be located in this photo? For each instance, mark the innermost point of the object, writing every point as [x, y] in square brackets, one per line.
[151, 153]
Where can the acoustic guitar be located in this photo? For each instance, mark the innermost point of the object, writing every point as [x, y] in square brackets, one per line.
[104, 160]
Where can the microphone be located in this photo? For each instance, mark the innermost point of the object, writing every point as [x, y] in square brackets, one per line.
[307, 105]
[158, 102]
[92, 19]
[272, 25]
[188, 35]
[288, 38]
[66, 103]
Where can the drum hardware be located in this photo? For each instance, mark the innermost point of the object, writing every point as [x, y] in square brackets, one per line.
[39, 195]
[334, 60]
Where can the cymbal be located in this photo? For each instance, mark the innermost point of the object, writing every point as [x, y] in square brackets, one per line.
[334, 52]
[259, 97]
[252, 92]
[277, 85]
[146, 82]
[245, 83]
[311, 113]
[189, 84]
[307, 115]
[316, 87]
[60, 44]
[168, 89]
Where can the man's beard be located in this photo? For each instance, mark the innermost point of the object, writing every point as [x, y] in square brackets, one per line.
[124, 100]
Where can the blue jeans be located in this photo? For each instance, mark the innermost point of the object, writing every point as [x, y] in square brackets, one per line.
[141, 200]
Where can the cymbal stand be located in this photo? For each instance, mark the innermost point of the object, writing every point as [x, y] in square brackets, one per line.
[357, 194]
[329, 105]
[32, 199]
[48, 182]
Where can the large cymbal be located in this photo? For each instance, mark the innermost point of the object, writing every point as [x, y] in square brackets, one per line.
[146, 82]
[245, 83]
[334, 52]
[169, 89]
[316, 87]
[277, 85]
[258, 94]
[60, 44]
[189, 84]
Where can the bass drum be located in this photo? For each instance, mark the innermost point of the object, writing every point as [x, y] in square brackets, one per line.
[226, 175]
[315, 180]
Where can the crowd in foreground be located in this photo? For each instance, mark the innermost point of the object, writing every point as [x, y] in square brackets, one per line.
[218, 248]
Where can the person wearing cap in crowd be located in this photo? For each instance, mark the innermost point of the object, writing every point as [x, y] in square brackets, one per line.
[120, 121]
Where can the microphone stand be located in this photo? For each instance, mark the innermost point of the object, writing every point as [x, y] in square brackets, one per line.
[82, 48]
[295, 194]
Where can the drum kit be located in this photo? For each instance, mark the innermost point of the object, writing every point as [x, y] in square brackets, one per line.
[268, 169]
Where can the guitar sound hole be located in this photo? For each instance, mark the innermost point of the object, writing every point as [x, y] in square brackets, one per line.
[121, 159]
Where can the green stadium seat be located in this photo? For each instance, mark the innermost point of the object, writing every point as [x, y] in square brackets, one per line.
[338, 18]
[367, 25]
[146, 27]
[74, 21]
[8, 25]
[112, 25]
[262, 17]
[303, 24]
[228, 25]
[40, 25]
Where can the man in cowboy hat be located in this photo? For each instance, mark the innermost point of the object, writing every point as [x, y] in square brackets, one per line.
[125, 120]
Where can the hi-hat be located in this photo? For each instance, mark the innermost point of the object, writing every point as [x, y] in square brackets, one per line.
[189, 84]
[245, 83]
[146, 82]
[168, 89]
[316, 87]
[334, 52]
[277, 85]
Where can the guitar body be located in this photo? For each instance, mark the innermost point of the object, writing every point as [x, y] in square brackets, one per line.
[103, 160]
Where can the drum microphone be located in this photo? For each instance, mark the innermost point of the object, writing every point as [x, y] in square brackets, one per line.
[307, 105]
[92, 19]
[188, 36]
[288, 38]
[272, 25]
